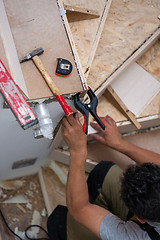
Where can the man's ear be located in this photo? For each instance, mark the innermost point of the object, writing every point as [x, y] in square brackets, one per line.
[141, 220]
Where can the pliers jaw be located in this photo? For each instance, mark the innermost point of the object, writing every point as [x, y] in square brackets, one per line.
[85, 109]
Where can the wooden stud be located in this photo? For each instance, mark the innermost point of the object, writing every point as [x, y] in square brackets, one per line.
[97, 38]
[129, 114]
[67, 27]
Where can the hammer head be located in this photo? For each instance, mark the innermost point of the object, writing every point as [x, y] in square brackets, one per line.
[36, 52]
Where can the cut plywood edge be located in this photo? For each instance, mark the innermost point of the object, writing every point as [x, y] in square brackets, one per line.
[29, 28]
[10, 50]
[136, 88]
[124, 38]
[75, 9]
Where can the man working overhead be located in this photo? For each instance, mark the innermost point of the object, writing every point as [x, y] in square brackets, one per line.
[111, 204]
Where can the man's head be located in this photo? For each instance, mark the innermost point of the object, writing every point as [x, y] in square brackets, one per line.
[140, 191]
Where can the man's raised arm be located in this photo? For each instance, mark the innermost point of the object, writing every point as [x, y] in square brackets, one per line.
[88, 215]
[112, 138]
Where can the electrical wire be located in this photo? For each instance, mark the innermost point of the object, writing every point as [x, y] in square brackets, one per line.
[26, 234]
[31, 226]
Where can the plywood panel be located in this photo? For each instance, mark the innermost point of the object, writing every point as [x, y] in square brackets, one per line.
[41, 26]
[150, 61]
[122, 35]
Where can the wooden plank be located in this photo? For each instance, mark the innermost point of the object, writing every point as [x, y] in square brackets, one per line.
[97, 38]
[129, 114]
[136, 88]
[76, 56]
[75, 9]
[124, 38]
[32, 28]
[84, 32]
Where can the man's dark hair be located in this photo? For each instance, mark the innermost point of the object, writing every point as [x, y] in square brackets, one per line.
[140, 190]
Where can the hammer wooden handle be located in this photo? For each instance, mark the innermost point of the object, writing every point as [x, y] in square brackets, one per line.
[56, 92]
[46, 75]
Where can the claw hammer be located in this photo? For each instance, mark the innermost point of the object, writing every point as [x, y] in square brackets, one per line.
[56, 92]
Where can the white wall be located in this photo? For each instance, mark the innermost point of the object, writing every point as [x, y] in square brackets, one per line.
[18, 144]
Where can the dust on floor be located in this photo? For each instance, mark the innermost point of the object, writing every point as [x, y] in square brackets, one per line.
[22, 203]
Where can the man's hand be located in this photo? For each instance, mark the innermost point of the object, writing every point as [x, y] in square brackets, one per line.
[110, 136]
[73, 134]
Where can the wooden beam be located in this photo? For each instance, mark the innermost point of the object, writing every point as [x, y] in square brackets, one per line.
[132, 58]
[75, 9]
[97, 37]
[75, 53]
[127, 112]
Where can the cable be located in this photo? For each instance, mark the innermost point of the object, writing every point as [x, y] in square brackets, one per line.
[31, 226]
[25, 230]
[8, 226]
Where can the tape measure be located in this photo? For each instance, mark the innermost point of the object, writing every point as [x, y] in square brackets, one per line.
[64, 67]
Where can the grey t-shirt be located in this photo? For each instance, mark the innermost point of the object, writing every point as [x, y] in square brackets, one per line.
[113, 228]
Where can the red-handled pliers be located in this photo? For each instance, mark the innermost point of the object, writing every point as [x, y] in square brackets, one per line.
[85, 109]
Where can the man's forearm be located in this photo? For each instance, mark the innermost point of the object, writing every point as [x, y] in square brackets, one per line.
[77, 191]
[139, 155]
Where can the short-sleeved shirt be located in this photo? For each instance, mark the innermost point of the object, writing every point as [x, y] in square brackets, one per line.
[113, 228]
